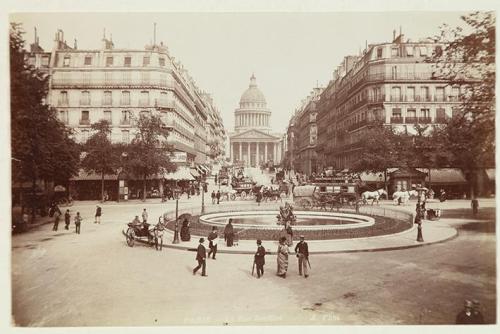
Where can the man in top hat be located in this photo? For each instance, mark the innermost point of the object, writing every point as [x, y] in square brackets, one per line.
[201, 255]
[302, 251]
[212, 239]
[259, 258]
[476, 313]
[465, 316]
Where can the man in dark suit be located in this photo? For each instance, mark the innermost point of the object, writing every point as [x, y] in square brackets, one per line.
[259, 258]
[212, 239]
[302, 251]
[201, 256]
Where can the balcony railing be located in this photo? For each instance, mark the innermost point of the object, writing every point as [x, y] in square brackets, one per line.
[85, 121]
[125, 121]
[411, 120]
[441, 120]
[397, 120]
[425, 120]
[62, 103]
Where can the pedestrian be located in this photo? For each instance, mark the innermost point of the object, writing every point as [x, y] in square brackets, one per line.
[442, 195]
[213, 196]
[476, 313]
[215, 178]
[201, 255]
[475, 206]
[218, 196]
[282, 258]
[229, 233]
[57, 216]
[465, 316]
[289, 233]
[144, 216]
[67, 219]
[78, 221]
[259, 259]
[212, 239]
[259, 197]
[302, 251]
[98, 213]
[185, 234]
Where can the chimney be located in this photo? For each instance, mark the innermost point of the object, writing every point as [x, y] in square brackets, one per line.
[75, 45]
[393, 35]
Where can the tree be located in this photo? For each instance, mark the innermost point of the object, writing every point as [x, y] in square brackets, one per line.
[101, 155]
[149, 153]
[41, 145]
[468, 60]
[381, 148]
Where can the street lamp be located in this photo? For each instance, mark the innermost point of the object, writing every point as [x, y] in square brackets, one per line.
[203, 195]
[420, 210]
[123, 156]
[176, 231]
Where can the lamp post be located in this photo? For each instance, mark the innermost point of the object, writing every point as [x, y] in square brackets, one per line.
[203, 196]
[176, 231]
[419, 213]
[123, 156]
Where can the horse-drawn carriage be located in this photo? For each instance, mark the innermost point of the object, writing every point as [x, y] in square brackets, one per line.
[243, 188]
[153, 233]
[326, 196]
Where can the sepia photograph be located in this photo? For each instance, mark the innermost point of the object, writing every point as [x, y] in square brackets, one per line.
[251, 168]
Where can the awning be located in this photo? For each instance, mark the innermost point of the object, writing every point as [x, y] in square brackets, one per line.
[194, 172]
[202, 169]
[371, 177]
[490, 173]
[84, 176]
[444, 176]
[182, 173]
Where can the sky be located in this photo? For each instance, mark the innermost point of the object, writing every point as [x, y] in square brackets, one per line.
[289, 53]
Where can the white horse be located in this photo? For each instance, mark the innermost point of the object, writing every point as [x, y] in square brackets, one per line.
[373, 195]
[401, 197]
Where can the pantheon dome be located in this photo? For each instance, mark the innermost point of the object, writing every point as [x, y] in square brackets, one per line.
[253, 112]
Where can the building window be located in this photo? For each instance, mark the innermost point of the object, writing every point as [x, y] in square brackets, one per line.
[409, 51]
[396, 113]
[66, 61]
[146, 61]
[84, 119]
[144, 113]
[125, 136]
[410, 94]
[107, 98]
[161, 61]
[394, 72]
[440, 115]
[440, 94]
[425, 113]
[31, 61]
[423, 51]
[144, 101]
[396, 94]
[109, 61]
[394, 52]
[163, 99]
[107, 116]
[455, 94]
[88, 60]
[438, 51]
[63, 98]
[125, 119]
[85, 98]
[424, 93]
[125, 100]
[411, 116]
[380, 52]
[127, 61]
[45, 61]
[145, 78]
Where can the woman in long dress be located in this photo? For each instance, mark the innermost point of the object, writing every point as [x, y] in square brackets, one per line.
[229, 233]
[282, 258]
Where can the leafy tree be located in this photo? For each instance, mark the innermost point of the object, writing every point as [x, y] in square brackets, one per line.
[149, 153]
[468, 60]
[101, 156]
[381, 148]
[41, 144]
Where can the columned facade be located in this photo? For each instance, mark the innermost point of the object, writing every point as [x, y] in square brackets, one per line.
[252, 144]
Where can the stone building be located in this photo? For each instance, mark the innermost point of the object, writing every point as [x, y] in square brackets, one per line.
[252, 144]
[119, 85]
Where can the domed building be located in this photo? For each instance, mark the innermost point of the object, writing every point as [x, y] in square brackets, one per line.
[252, 144]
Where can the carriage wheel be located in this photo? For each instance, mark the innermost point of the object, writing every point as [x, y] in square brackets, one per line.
[304, 203]
[130, 235]
[243, 195]
[233, 197]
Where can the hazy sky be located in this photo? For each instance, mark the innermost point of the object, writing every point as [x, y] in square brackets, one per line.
[288, 52]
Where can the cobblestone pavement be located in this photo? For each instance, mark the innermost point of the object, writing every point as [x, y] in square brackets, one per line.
[95, 279]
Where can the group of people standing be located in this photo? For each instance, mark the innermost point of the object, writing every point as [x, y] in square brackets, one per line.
[56, 213]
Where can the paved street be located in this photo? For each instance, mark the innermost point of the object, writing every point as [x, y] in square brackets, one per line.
[95, 279]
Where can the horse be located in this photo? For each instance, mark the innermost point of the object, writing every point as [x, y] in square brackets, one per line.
[373, 195]
[156, 234]
[401, 197]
